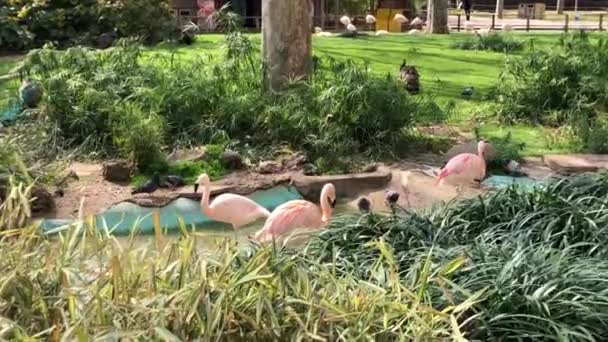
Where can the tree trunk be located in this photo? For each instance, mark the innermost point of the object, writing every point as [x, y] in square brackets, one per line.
[560, 6]
[437, 17]
[500, 8]
[286, 41]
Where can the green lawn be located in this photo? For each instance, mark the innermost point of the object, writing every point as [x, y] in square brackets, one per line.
[444, 71]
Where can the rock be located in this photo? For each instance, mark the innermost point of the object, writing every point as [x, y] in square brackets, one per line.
[370, 168]
[349, 185]
[310, 169]
[116, 171]
[269, 167]
[569, 163]
[42, 200]
[295, 161]
[195, 154]
[232, 160]
[30, 93]
[471, 147]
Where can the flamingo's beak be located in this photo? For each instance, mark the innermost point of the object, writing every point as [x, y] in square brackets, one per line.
[196, 187]
[333, 203]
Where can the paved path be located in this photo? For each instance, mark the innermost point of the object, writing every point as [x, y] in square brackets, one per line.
[485, 21]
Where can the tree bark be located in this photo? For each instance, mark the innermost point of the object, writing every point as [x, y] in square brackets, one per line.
[437, 17]
[500, 8]
[560, 6]
[286, 41]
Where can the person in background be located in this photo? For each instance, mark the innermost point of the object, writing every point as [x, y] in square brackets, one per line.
[467, 4]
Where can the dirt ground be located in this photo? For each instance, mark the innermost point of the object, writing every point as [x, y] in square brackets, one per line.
[416, 188]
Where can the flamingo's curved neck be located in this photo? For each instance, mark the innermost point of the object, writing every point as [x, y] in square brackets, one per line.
[325, 206]
[205, 199]
[480, 153]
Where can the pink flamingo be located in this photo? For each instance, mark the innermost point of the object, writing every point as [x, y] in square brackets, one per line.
[233, 209]
[466, 167]
[298, 214]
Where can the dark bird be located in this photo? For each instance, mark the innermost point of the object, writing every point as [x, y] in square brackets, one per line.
[364, 205]
[149, 187]
[174, 181]
[468, 92]
[391, 197]
[59, 192]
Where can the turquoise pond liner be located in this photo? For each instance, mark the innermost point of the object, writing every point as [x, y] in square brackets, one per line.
[501, 182]
[122, 218]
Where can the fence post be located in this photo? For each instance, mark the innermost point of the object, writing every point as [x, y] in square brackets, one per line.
[601, 22]
[493, 21]
[458, 24]
[528, 21]
[566, 26]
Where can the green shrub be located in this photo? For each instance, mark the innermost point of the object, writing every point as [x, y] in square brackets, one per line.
[491, 42]
[151, 20]
[96, 99]
[561, 85]
[12, 35]
[26, 24]
[138, 134]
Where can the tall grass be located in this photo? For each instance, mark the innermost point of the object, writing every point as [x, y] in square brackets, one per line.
[85, 284]
[539, 257]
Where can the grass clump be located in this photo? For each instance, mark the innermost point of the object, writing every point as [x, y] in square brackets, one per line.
[490, 42]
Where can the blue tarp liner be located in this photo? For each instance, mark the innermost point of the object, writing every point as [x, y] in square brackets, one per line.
[123, 217]
[500, 182]
[11, 113]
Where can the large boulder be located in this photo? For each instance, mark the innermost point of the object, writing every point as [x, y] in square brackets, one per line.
[117, 171]
[471, 147]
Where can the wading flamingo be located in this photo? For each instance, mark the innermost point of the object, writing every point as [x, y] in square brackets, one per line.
[233, 209]
[466, 167]
[289, 216]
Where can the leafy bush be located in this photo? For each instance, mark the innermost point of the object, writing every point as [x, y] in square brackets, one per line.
[561, 85]
[151, 20]
[12, 36]
[26, 24]
[112, 102]
[491, 42]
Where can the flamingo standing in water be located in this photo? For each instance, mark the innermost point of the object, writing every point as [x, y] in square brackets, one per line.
[233, 209]
[289, 216]
[466, 167]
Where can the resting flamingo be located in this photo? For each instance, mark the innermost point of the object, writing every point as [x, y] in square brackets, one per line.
[466, 167]
[233, 209]
[289, 216]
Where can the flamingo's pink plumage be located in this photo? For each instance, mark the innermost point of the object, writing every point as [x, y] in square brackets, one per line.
[466, 166]
[229, 208]
[298, 214]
